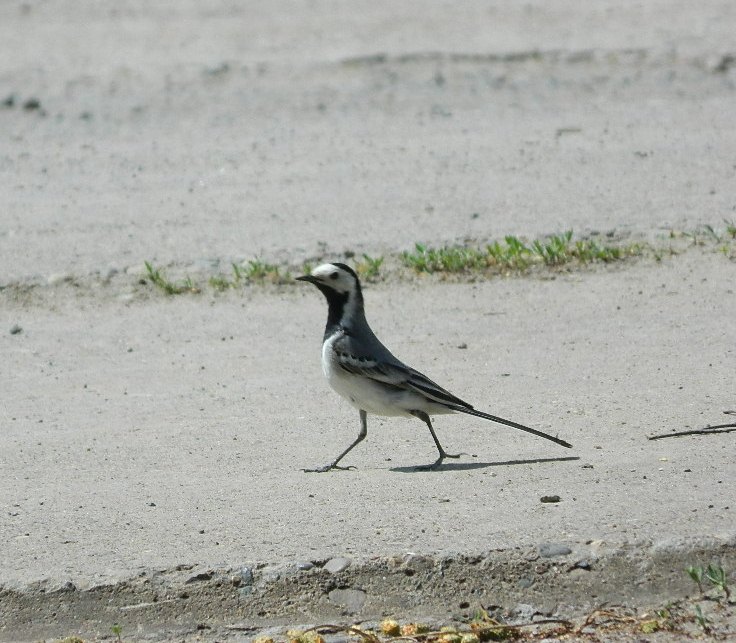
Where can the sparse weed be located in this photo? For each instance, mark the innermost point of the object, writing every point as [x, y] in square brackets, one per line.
[554, 251]
[169, 287]
[117, 630]
[486, 628]
[369, 267]
[717, 576]
[730, 228]
[706, 232]
[453, 259]
[257, 271]
[710, 232]
[664, 621]
[510, 255]
[696, 573]
[650, 626]
[701, 619]
[714, 574]
[220, 283]
[514, 254]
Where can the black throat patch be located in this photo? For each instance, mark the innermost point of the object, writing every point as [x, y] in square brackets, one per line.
[336, 303]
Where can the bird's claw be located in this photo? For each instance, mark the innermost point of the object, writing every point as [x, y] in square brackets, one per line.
[438, 462]
[455, 455]
[328, 467]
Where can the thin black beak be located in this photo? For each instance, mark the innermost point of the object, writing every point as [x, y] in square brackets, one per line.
[308, 278]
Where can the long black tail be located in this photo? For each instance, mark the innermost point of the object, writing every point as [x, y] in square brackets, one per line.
[494, 418]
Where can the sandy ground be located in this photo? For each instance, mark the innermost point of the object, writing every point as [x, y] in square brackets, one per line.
[141, 432]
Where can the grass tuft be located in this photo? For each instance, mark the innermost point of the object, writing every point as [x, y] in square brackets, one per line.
[261, 271]
[370, 267]
[254, 271]
[169, 287]
[510, 255]
[514, 254]
[730, 228]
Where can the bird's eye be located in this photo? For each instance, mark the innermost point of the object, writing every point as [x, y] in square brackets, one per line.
[333, 275]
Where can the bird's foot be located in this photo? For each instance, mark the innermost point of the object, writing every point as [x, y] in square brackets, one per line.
[453, 455]
[438, 462]
[328, 467]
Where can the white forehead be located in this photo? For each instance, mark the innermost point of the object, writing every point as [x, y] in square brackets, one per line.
[326, 269]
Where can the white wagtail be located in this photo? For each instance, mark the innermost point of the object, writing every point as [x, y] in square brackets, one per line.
[361, 369]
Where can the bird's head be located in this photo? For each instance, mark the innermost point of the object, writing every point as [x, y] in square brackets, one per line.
[334, 278]
[341, 287]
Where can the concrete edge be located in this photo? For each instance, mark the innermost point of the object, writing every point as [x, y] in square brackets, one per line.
[562, 579]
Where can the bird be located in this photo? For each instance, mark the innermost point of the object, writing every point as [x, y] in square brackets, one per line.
[364, 372]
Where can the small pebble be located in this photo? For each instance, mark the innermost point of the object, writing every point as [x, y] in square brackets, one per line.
[550, 550]
[246, 575]
[352, 599]
[336, 565]
[549, 499]
[15, 329]
[32, 104]
[201, 576]
[58, 278]
[524, 612]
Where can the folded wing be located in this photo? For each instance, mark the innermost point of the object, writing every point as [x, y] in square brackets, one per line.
[395, 374]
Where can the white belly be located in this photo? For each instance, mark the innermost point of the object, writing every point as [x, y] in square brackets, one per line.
[373, 396]
[365, 394]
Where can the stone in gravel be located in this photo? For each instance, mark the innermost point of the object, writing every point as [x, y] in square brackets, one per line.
[202, 576]
[15, 329]
[550, 550]
[58, 278]
[304, 565]
[549, 499]
[336, 565]
[246, 575]
[32, 104]
[524, 612]
[352, 599]
[270, 574]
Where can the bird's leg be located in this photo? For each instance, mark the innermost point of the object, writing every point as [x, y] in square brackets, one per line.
[360, 438]
[443, 454]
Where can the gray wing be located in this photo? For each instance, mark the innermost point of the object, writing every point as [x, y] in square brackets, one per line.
[357, 359]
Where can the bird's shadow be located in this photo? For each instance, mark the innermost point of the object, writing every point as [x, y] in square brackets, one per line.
[469, 466]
